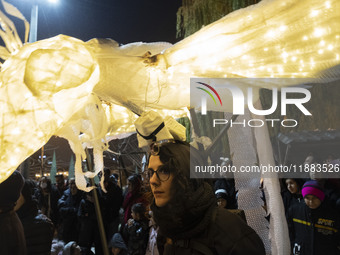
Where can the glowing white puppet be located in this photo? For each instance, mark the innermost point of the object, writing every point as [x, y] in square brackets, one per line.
[65, 87]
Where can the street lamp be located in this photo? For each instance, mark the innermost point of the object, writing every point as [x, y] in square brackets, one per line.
[34, 21]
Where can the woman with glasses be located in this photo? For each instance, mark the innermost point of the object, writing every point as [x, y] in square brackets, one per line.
[185, 209]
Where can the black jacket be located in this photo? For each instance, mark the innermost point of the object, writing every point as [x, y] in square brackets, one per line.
[38, 229]
[12, 239]
[136, 236]
[68, 208]
[290, 200]
[227, 234]
[314, 231]
[43, 203]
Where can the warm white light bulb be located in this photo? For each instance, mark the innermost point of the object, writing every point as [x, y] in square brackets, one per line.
[314, 13]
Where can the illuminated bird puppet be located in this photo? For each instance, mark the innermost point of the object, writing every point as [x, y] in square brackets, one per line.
[66, 87]
[85, 91]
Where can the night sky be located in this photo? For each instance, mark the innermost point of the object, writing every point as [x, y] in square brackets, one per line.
[125, 21]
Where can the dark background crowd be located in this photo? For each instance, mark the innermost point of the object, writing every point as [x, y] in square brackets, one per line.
[312, 209]
[61, 219]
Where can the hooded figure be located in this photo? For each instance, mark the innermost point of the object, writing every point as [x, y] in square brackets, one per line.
[11, 232]
[117, 245]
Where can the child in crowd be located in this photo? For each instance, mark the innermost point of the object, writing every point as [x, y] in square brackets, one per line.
[117, 245]
[221, 197]
[314, 226]
[291, 193]
[225, 193]
[136, 230]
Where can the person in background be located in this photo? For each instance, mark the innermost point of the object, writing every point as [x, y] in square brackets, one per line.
[221, 198]
[117, 245]
[88, 232]
[60, 184]
[136, 230]
[68, 208]
[60, 188]
[38, 228]
[291, 192]
[47, 196]
[314, 226]
[133, 196]
[110, 201]
[225, 190]
[12, 238]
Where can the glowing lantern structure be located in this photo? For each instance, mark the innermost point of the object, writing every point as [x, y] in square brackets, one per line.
[65, 87]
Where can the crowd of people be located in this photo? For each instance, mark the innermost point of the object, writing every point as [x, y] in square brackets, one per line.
[172, 214]
[312, 209]
[155, 219]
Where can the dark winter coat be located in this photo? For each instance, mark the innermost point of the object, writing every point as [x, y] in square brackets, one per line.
[227, 233]
[314, 231]
[38, 229]
[12, 238]
[68, 208]
[290, 200]
[89, 232]
[110, 203]
[48, 203]
[136, 237]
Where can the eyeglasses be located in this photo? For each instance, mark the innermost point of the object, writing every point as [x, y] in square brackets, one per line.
[163, 173]
[155, 147]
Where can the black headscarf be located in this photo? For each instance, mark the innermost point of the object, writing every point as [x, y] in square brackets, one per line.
[10, 190]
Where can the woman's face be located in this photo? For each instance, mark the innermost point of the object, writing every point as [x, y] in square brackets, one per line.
[130, 186]
[161, 190]
[292, 186]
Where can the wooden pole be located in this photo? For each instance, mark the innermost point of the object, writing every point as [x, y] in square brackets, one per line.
[97, 206]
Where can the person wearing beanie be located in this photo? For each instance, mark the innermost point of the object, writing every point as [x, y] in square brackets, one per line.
[314, 226]
[225, 193]
[313, 194]
[221, 196]
[224, 201]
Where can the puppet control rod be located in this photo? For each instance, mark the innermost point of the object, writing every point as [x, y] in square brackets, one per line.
[97, 206]
[138, 111]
